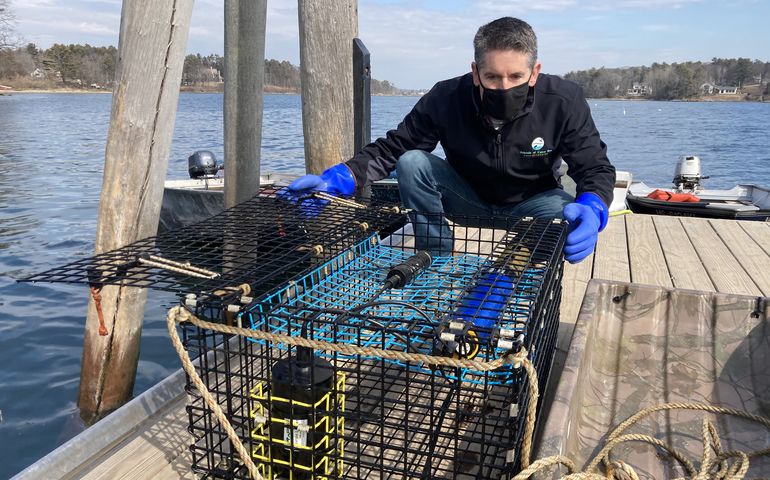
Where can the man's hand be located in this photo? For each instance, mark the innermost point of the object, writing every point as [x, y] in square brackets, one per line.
[335, 180]
[587, 216]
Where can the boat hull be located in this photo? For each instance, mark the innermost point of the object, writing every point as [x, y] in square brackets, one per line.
[692, 209]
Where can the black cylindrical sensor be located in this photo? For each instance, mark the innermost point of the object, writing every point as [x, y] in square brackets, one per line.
[302, 379]
[403, 273]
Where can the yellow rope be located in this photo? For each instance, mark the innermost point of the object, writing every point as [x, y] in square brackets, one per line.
[621, 212]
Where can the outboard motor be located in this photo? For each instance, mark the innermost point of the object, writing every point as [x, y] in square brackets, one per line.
[687, 174]
[202, 164]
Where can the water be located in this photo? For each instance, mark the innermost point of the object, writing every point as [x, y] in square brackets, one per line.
[51, 155]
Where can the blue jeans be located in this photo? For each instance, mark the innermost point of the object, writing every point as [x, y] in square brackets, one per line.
[429, 184]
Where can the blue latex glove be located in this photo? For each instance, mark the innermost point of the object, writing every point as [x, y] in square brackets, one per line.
[335, 180]
[587, 216]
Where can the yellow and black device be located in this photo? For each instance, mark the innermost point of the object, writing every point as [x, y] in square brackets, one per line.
[299, 424]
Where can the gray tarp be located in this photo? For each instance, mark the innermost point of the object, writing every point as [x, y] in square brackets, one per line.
[653, 345]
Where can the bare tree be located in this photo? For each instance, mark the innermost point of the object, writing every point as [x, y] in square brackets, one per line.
[7, 26]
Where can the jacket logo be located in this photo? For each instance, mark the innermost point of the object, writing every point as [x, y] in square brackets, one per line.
[537, 144]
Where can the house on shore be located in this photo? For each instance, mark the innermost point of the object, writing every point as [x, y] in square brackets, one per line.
[639, 89]
[712, 89]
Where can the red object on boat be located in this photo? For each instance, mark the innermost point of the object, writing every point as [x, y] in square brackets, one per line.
[667, 196]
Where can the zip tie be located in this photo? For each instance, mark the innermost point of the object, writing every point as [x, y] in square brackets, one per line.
[317, 250]
[338, 200]
[184, 268]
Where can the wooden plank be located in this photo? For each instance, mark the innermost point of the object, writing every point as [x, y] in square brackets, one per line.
[161, 442]
[751, 256]
[722, 266]
[611, 257]
[759, 232]
[647, 262]
[684, 265]
[574, 283]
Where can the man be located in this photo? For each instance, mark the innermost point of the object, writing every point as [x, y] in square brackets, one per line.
[504, 128]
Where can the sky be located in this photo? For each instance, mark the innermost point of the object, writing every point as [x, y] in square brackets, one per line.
[416, 43]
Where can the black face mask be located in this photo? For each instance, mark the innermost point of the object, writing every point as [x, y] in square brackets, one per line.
[504, 104]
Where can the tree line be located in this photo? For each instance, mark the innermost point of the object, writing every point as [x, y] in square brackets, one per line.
[85, 66]
[662, 81]
[281, 75]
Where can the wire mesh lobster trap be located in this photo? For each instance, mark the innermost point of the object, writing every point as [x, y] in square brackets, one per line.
[367, 395]
[260, 243]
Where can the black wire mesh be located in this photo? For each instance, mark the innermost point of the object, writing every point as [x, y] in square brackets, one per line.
[261, 242]
[323, 414]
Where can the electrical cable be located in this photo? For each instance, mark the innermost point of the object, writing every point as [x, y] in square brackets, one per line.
[442, 416]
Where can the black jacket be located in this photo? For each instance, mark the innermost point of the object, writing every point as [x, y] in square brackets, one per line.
[505, 166]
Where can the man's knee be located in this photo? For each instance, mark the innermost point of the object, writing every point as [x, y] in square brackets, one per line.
[412, 161]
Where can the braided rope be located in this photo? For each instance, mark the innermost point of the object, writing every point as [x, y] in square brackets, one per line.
[622, 471]
[189, 368]
[180, 315]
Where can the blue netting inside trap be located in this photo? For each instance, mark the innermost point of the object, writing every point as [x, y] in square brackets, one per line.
[341, 302]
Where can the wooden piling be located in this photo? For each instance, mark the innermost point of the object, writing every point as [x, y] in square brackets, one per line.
[153, 40]
[326, 32]
[245, 23]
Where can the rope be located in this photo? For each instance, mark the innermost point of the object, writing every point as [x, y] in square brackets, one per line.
[713, 456]
[97, 295]
[621, 212]
[181, 314]
[207, 397]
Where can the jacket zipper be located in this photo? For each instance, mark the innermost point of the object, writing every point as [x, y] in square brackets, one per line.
[498, 141]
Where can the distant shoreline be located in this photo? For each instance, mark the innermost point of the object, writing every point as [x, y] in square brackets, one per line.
[710, 99]
[271, 89]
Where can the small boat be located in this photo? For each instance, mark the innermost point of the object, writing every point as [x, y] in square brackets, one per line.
[623, 181]
[202, 195]
[688, 198]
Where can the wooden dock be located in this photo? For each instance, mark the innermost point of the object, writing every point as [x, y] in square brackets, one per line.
[148, 437]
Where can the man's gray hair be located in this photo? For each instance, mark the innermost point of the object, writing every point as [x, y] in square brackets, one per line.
[505, 33]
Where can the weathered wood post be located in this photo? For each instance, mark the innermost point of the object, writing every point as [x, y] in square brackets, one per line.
[326, 32]
[245, 22]
[153, 40]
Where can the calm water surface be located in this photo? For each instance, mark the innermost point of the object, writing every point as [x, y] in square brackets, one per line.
[51, 156]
